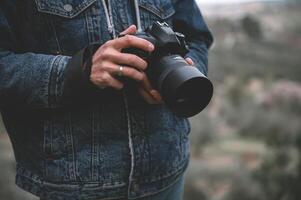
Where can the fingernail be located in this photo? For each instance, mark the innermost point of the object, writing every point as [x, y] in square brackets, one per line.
[155, 95]
[151, 47]
[152, 93]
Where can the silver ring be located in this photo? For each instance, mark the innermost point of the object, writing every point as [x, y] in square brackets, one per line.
[120, 72]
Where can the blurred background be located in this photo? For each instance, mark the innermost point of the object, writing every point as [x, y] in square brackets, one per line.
[247, 144]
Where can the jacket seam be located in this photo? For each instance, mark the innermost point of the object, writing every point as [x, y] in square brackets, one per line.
[157, 12]
[54, 93]
[37, 179]
[55, 35]
[158, 191]
[51, 96]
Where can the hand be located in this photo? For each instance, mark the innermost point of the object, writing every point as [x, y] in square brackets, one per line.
[108, 59]
[150, 95]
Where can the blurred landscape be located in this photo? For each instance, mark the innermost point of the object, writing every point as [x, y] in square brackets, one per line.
[247, 144]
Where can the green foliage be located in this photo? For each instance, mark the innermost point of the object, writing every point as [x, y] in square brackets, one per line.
[251, 27]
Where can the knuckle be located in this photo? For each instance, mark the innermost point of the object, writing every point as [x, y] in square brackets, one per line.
[143, 75]
[136, 75]
[104, 67]
[114, 54]
[129, 39]
[143, 64]
[107, 54]
[131, 72]
[96, 80]
[93, 78]
[120, 86]
[132, 59]
[94, 68]
[105, 78]
[108, 44]
[139, 77]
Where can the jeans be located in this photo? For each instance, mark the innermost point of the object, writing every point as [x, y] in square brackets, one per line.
[174, 192]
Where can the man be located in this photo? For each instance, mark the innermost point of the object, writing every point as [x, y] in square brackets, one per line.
[77, 130]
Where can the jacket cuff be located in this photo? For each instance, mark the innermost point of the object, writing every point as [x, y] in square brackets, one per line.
[199, 54]
[199, 63]
[77, 87]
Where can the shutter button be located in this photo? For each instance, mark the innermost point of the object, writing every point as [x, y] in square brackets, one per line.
[68, 7]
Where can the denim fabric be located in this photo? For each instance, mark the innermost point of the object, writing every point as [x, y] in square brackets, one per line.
[174, 192]
[118, 147]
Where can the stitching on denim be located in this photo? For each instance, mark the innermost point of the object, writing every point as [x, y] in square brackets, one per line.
[89, 26]
[55, 35]
[89, 185]
[57, 11]
[160, 13]
[169, 174]
[53, 64]
[92, 146]
[95, 148]
[69, 138]
[47, 125]
[158, 191]
[22, 172]
[57, 80]
[37, 187]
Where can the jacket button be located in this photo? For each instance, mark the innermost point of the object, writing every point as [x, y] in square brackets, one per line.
[68, 7]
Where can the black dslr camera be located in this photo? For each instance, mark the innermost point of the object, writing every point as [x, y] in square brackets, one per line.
[185, 90]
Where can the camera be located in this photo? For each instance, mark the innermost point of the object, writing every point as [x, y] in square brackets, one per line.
[184, 89]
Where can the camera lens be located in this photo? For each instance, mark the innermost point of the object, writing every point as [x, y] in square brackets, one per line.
[184, 88]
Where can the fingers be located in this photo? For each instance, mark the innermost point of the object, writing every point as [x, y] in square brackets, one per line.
[130, 30]
[133, 41]
[114, 70]
[189, 61]
[129, 72]
[156, 95]
[106, 80]
[147, 88]
[148, 97]
[145, 84]
[128, 60]
[114, 56]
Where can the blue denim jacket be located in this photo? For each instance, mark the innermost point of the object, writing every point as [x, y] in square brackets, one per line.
[116, 147]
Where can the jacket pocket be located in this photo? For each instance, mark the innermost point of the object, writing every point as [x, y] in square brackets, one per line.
[69, 145]
[63, 8]
[68, 24]
[155, 10]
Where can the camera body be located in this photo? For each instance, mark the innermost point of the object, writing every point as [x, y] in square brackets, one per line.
[185, 90]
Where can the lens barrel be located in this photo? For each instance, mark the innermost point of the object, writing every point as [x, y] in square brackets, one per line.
[184, 88]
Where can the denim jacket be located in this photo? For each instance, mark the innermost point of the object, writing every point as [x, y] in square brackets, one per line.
[116, 146]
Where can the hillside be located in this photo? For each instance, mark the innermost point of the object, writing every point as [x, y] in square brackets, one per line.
[244, 144]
